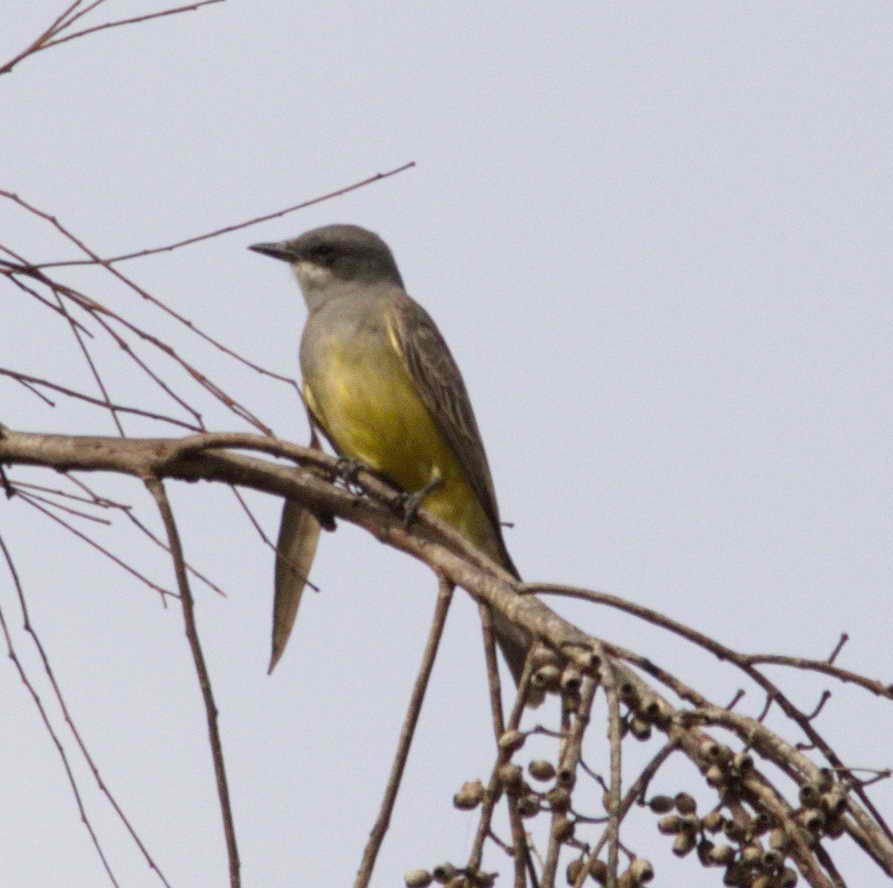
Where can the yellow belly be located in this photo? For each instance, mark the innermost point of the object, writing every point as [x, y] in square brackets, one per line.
[372, 412]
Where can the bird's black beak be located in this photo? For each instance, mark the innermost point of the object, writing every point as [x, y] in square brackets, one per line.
[275, 251]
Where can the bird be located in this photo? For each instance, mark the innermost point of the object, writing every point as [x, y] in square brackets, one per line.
[382, 386]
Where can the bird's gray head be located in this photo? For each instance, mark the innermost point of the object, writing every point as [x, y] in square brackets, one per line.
[324, 258]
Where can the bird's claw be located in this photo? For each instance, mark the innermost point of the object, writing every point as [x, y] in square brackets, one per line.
[410, 503]
[347, 469]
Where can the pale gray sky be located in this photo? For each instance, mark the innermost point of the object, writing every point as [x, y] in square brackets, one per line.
[656, 237]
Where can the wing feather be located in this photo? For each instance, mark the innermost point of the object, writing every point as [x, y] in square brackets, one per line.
[439, 382]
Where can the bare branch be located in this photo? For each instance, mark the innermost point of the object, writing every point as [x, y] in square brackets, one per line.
[746, 793]
[235, 226]
[46, 39]
[493, 684]
[27, 498]
[156, 488]
[407, 732]
[29, 381]
[13, 656]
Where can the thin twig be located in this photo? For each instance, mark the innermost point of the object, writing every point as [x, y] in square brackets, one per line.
[27, 498]
[844, 638]
[25, 379]
[94, 370]
[41, 38]
[128, 350]
[826, 667]
[192, 7]
[739, 660]
[634, 793]
[493, 684]
[91, 304]
[413, 710]
[11, 653]
[156, 488]
[434, 543]
[519, 839]
[125, 509]
[44, 41]
[95, 259]
[70, 20]
[57, 491]
[10, 275]
[235, 226]
[15, 487]
[553, 849]
[69, 720]
[262, 534]
[609, 681]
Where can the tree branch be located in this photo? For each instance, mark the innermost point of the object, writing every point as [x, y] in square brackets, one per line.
[156, 488]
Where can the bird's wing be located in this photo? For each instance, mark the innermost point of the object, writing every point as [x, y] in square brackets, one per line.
[439, 382]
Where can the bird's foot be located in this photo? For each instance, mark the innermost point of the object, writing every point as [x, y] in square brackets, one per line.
[410, 503]
[346, 470]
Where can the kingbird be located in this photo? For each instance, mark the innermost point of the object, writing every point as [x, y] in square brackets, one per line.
[381, 384]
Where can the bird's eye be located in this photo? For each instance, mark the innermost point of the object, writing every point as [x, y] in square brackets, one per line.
[324, 255]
